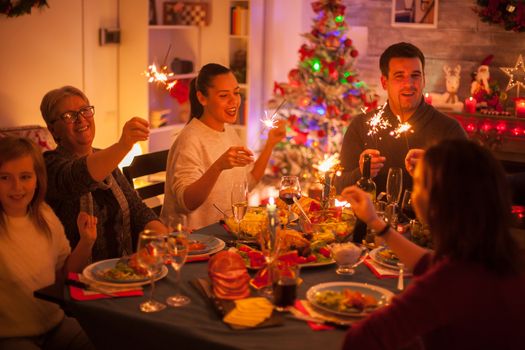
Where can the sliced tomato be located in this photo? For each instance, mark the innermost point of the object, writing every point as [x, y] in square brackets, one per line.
[244, 248]
[324, 252]
[311, 258]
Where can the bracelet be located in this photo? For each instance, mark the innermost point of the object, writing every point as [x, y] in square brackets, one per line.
[384, 230]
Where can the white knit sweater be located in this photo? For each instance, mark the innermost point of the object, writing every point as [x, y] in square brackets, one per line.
[193, 152]
[28, 261]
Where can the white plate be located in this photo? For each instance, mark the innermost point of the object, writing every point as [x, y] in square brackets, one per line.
[210, 242]
[377, 259]
[382, 295]
[89, 274]
[218, 248]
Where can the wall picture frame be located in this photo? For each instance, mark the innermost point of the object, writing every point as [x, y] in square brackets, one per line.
[415, 13]
[185, 13]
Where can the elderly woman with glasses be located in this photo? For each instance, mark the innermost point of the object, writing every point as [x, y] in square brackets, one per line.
[82, 178]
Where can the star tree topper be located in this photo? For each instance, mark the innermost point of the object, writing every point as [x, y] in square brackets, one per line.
[516, 75]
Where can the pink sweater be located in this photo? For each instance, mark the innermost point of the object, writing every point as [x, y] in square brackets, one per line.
[449, 305]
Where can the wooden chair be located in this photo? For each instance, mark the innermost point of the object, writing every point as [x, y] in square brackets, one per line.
[148, 164]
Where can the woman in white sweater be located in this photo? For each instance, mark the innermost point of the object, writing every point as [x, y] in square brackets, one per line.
[208, 157]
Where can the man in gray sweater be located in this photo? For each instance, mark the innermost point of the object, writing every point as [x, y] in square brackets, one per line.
[402, 76]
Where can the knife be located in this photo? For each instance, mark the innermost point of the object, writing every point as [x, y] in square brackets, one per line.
[296, 314]
[88, 287]
[339, 325]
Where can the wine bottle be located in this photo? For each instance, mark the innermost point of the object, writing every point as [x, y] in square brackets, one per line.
[368, 185]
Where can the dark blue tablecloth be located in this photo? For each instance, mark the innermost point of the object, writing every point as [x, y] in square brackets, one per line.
[119, 324]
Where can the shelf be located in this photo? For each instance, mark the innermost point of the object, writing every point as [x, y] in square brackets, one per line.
[171, 27]
[241, 37]
[183, 76]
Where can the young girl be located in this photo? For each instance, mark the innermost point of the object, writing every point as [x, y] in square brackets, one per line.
[469, 292]
[34, 251]
[207, 157]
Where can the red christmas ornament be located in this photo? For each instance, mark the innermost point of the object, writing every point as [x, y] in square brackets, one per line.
[301, 138]
[348, 42]
[342, 61]
[292, 118]
[354, 53]
[180, 91]
[321, 133]
[317, 6]
[294, 77]
[345, 117]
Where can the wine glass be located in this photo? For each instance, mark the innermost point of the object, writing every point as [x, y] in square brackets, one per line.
[394, 185]
[177, 246]
[151, 251]
[406, 205]
[267, 244]
[290, 188]
[239, 200]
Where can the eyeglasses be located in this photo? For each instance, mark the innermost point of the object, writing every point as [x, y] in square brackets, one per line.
[71, 117]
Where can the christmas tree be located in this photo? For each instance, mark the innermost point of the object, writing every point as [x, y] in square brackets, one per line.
[321, 96]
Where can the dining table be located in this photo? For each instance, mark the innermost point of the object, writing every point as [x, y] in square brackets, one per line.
[117, 323]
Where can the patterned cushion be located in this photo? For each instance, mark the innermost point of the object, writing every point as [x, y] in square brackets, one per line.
[38, 134]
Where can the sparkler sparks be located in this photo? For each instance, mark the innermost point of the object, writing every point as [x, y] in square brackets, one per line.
[161, 77]
[377, 122]
[328, 163]
[401, 128]
[270, 122]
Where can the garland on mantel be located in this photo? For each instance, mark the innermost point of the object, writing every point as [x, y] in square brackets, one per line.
[509, 13]
[15, 8]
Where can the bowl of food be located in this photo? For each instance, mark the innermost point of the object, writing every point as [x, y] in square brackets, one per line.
[254, 222]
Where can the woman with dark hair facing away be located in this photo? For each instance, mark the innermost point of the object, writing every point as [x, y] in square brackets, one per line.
[83, 178]
[469, 292]
[208, 157]
[34, 252]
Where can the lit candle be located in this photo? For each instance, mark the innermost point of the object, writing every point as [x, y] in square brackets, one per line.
[428, 98]
[271, 207]
[470, 105]
[272, 220]
[520, 107]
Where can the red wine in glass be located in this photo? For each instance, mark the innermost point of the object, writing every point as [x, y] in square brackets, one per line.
[284, 293]
[288, 195]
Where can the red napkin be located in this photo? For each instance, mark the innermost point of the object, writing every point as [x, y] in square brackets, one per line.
[382, 272]
[198, 258]
[81, 294]
[313, 325]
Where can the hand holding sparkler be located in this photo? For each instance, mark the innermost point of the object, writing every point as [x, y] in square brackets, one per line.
[136, 129]
[377, 161]
[413, 156]
[276, 133]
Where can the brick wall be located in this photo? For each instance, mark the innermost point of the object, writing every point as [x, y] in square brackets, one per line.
[460, 38]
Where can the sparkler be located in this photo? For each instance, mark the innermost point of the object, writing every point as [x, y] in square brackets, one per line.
[377, 122]
[161, 77]
[270, 122]
[328, 168]
[401, 129]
